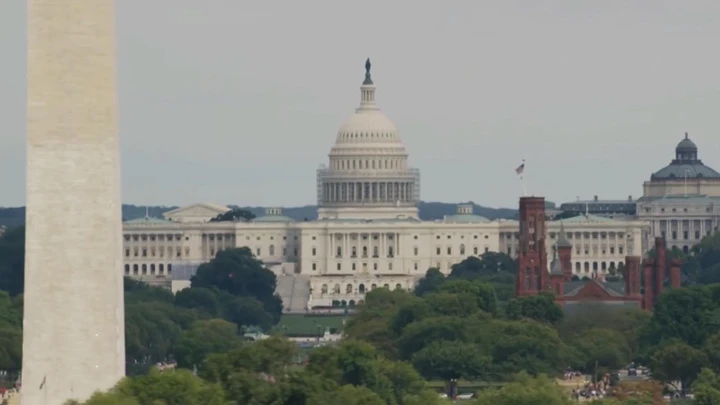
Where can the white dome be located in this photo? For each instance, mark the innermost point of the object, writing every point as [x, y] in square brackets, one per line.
[368, 174]
[368, 126]
[368, 132]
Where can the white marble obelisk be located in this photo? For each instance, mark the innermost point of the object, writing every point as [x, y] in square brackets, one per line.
[73, 336]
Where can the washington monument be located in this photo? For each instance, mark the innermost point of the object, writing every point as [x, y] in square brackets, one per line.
[73, 335]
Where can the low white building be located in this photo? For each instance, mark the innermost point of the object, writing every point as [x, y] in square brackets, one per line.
[368, 234]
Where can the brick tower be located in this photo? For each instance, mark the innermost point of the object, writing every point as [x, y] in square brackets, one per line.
[532, 274]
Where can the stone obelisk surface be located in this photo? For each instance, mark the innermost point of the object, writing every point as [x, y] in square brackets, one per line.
[73, 336]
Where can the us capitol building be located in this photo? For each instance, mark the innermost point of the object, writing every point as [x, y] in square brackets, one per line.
[367, 234]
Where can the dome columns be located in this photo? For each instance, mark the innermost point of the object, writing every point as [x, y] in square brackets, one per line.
[379, 192]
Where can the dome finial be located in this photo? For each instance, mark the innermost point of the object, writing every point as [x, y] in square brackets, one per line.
[686, 134]
[368, 79]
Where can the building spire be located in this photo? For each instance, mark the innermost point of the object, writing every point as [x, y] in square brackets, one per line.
[561, 238]
[367, 90]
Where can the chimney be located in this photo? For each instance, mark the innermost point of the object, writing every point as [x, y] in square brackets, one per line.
[630, 198]
[632, 276]
[596, 198]
[675, 277]
[660, 264]
[649, 293]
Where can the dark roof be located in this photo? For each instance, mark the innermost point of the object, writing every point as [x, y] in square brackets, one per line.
[677, 170]
[612, 288]
[686, 145]
[685, 164]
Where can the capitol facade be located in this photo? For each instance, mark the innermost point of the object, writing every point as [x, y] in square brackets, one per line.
[368, 233]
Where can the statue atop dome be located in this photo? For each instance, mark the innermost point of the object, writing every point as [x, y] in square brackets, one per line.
[368, 79]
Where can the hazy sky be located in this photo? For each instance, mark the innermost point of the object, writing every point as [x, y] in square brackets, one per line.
[238, 102]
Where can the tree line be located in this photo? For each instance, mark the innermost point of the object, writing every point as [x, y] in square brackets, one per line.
[466, 326]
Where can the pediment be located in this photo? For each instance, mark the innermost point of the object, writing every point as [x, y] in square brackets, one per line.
[202, 210]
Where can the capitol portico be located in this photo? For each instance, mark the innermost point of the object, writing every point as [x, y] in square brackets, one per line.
[367, 234]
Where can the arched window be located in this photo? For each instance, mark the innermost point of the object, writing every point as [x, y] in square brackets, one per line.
[349, 289]
[169, 268]
[160, 267]
[364, 250]
[577, 266]
[152, 269]
[353, 252]
[272, 250]
[386, 286]
[361, 288]
[127, 269]
[375, 251]
[398, 287]
[336, 289]
[391, 252]
[587, 266]
[144, 269]
[324, 289]
[595, 266]
[372, 287]
[135, 269]
[462, 249]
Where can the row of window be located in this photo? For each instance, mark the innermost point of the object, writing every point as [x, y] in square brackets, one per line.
[685, 235]
[350, 289]
[358, 164]
[156, 252]
[449, 250]
[144, 269]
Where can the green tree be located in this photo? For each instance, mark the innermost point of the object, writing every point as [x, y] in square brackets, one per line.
[685, 314]
[452, 360]
[238, 272]
[203, 338]
[525, 390]
[675, 360]
[526, 346]
[347, 395]
[235, 214]
[601, 350]
[204, 300]
[483, 293]
[541, 307]
[12, 260]
[430, 283]
[707, 388]
[628, 323]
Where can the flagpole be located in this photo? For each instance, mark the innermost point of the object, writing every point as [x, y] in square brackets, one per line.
[524, 185]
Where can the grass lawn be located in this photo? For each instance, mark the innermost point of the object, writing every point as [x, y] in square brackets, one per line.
[300, 324]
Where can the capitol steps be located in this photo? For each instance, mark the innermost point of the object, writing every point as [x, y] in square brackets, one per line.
[300, 293]
[284, 288]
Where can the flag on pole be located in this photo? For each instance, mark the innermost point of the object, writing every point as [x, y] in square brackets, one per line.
[42, 384]
[520, 169]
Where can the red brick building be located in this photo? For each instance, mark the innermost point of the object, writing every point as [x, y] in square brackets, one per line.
[635, 290]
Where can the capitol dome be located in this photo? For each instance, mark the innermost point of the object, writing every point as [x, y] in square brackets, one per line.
[368, 166]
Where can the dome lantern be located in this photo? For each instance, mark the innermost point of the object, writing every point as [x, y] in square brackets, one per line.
[686, 150]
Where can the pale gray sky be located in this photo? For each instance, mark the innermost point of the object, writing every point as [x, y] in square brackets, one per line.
[239, 102]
